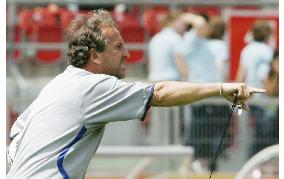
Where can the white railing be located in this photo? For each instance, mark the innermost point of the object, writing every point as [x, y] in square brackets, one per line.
[149, 154]
[259, 158]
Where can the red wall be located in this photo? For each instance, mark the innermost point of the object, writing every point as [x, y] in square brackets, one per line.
[238, 27]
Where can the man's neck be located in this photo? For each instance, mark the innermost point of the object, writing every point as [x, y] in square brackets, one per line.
[91, 68]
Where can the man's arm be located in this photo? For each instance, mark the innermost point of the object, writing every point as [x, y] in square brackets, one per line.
[172, 93]
[271, 84]
[198, 22]
[241, 73]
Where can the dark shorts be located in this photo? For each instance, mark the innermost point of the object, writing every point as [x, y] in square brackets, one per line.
[265, 129]
[206, 129]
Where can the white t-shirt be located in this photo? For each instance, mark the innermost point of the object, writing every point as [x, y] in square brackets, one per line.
[161, 56]
[219, 49]
[58, 134]
[199, 58]
[256, 58]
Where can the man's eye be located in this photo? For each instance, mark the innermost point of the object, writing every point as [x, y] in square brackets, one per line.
[119, 47]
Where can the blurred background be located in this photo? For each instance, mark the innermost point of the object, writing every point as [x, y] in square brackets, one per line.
[198, 41]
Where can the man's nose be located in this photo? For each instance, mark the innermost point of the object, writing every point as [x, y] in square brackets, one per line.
[126, 53]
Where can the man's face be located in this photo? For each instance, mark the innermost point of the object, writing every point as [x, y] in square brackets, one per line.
[114, 56]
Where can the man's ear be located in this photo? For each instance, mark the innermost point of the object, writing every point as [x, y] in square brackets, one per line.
[94, 56]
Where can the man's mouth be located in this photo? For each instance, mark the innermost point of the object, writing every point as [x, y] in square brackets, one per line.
[123, 66]
[122, 63]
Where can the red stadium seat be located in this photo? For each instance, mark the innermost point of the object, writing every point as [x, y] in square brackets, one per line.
[134, 34]
[126, 20]
[66, 17]
[209, 10]
[49, 34]
[152, 19]
[131, 32]
[43, 17]
[48, 30]
[27, 23]
[134, 10]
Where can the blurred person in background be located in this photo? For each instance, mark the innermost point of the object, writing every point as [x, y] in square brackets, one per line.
[271, 83]
[52, 16]
[59, 133]
[195, 51]
[254, 68]
[218, 46]
[53, 8]
[162, 64]
[255, 60]
[119, 11]
[256, 56]
[266, 132]
[203, 133]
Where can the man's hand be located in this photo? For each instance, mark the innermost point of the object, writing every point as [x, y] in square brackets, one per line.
[239, 90]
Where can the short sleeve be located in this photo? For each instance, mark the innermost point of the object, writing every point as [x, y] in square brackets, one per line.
[244, 59]
[113, 100]
[189, 44]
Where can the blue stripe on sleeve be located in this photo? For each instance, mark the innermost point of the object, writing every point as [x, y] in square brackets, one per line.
[64, 151]
[151, 93]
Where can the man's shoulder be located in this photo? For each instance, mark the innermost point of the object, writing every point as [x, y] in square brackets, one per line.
[257, 45]
[167, 36]
[85, 75]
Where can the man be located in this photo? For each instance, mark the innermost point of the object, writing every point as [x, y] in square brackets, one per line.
[196, 52]
[163, 66]
[256, 56]
[58, 134]
[255, 59]
[218, 46]
[202, 68]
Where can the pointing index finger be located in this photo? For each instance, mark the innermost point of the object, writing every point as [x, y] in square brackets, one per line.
[256, 90]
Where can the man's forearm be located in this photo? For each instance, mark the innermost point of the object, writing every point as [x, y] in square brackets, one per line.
[171, 93]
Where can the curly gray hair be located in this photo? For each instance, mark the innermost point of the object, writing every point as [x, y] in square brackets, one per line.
[84, 33]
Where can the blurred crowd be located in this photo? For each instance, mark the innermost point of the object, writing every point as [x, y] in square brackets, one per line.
[189, 41]
[191, 47]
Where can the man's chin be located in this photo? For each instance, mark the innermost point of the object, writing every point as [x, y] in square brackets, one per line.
[120, 75]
